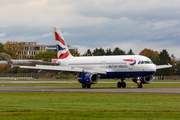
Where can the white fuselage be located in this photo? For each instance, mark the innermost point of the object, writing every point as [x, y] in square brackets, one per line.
[115, 66]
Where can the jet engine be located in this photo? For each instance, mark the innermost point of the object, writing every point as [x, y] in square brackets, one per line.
[144, 80]
[88, 78]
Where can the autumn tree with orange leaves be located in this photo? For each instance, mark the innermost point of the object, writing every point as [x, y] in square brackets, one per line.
[14, 47]
[148, 53]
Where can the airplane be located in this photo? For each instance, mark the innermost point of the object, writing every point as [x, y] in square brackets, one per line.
[90, 69]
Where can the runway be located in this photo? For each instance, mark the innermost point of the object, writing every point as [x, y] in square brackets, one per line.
[14, 82]
[93, 90]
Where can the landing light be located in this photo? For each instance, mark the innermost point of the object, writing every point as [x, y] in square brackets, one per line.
[138, 81]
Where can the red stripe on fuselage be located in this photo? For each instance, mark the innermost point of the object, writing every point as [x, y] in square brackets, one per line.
[58, 38]
[63, 55]
[129, 60]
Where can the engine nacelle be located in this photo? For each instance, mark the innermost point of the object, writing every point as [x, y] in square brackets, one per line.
[89, 78]
[144, 80]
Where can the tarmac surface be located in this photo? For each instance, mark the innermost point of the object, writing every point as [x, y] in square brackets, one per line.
[69, 82]
[93, 90]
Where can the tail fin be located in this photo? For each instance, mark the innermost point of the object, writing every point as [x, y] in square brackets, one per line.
[62, 49]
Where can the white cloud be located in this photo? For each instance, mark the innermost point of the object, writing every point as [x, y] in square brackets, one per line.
[137, 46]
[70, 34]
[2, 34]
[47, 34]
[96, 23]
[162, 24]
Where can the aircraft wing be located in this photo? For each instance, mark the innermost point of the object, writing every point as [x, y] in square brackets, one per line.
[60, 68]
[163, 66]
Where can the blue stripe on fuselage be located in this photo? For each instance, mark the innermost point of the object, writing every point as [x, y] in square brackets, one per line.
[127, 74]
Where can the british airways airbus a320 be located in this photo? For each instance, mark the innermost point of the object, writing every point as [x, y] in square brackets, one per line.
[90, 69]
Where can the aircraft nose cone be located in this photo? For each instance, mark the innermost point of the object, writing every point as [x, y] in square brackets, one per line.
[153, 68]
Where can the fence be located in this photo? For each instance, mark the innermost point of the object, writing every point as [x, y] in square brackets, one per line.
[25, 75]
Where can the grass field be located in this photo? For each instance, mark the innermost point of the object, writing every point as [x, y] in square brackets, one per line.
[88, 106]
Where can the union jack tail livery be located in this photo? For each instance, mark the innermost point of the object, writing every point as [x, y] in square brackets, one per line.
[62, 49]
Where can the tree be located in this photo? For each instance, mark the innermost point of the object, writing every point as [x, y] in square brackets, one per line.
[1, 48]
[88, 53]
[13, 48]
[148, 53]
[130, 52]
[108, 52]
[155, 59]
[2, 68]
[5, 56]
[163, 60]
[98, 52]
[46, 56]
[118, 51]
[74, 53]
[177, 68]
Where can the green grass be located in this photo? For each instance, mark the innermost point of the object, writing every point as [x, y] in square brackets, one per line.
[77, 106]
[54, 105]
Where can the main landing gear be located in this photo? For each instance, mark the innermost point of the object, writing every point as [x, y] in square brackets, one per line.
[121, 84]
[86, 85]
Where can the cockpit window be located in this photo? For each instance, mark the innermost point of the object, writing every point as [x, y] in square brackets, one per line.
[147, 62]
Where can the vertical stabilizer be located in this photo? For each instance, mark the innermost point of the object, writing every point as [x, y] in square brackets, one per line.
[62, 49]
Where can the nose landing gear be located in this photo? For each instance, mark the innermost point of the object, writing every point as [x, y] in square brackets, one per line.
[139, 84]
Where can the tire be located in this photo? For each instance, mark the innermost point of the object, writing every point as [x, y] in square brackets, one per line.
[139, 85]
[84, 86]
[89, 86]
[123, 85]
[119, 84]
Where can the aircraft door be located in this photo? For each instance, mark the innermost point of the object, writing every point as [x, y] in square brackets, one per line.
[103, 64]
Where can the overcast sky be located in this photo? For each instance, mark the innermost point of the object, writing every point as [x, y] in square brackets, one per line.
[89, 24]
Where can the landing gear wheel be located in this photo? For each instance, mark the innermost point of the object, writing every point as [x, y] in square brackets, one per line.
[88, 85]
[123, 85]
[139, 85]
[119, 84]
[84, 85]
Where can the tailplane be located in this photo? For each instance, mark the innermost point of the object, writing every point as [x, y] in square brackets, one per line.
[62, 49]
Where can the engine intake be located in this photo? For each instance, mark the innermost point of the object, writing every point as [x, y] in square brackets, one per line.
[89, 78]
[144, 80]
